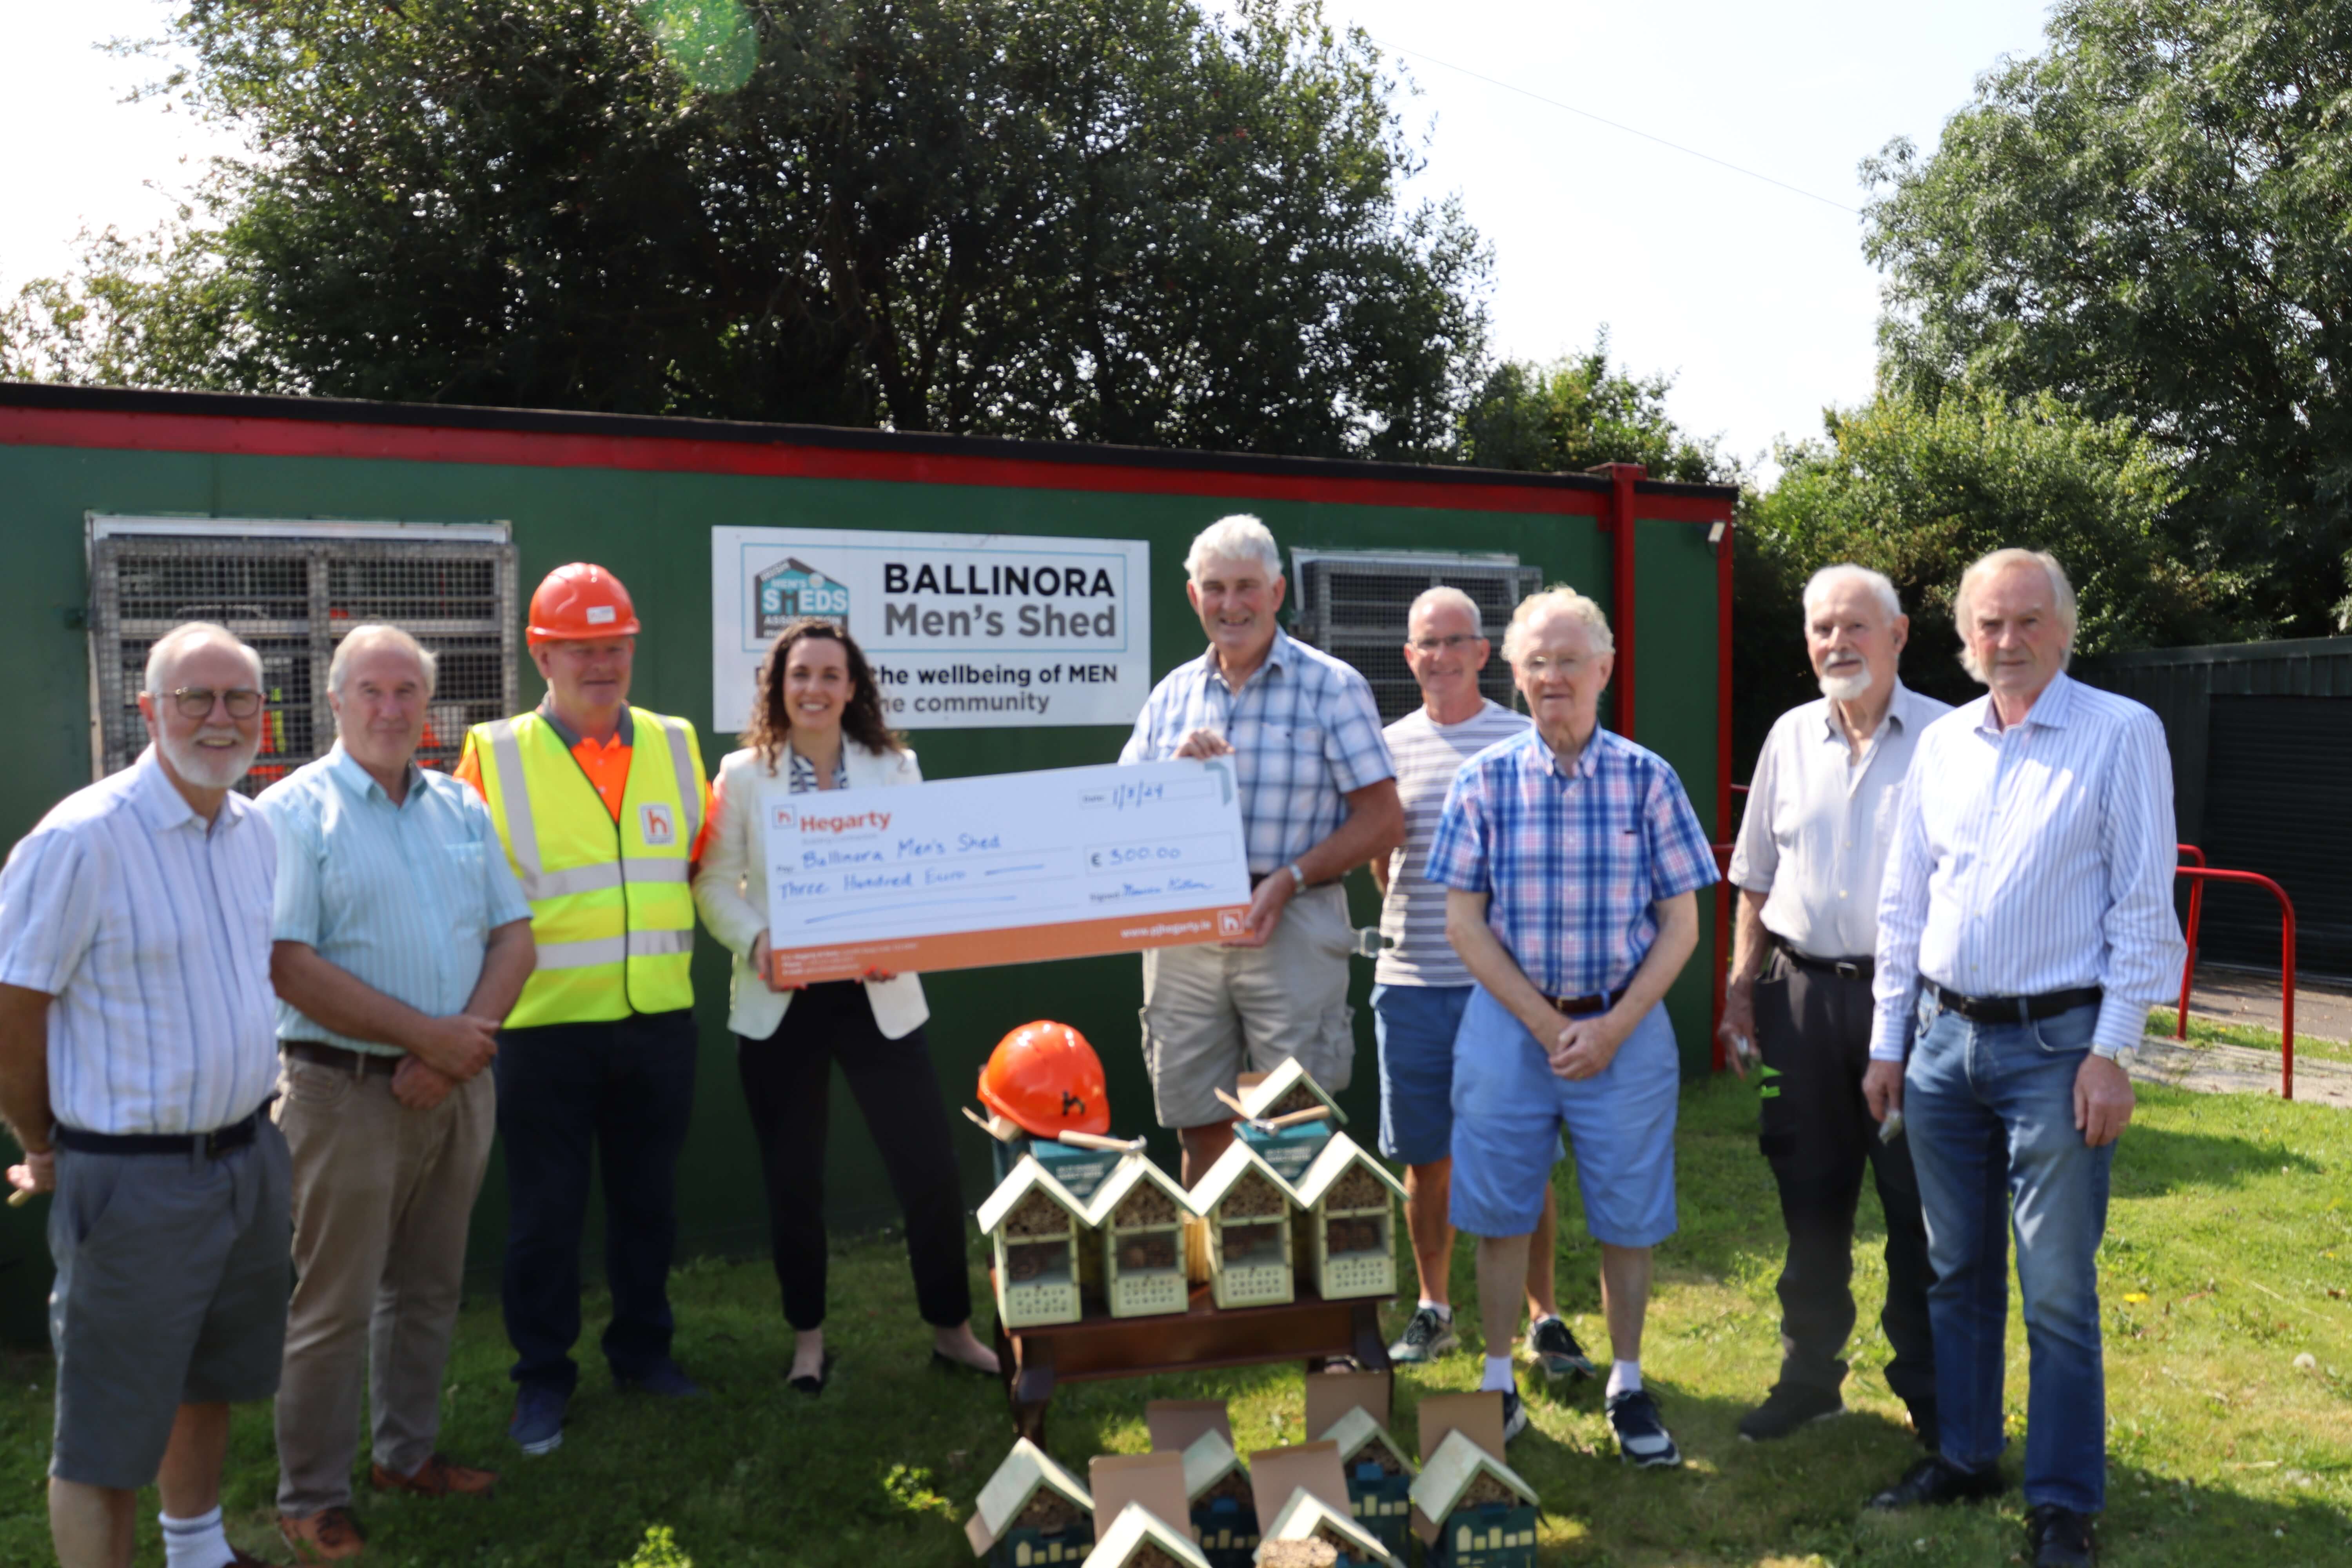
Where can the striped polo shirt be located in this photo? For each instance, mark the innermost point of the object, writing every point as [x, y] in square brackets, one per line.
[1427, 755]
[402, 897]
[151, 928]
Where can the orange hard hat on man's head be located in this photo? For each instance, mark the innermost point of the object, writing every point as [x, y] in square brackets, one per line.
[1047, 1080]
[577, 602]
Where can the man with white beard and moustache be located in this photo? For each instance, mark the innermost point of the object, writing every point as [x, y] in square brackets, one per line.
[137, 1050]
[1812, 845]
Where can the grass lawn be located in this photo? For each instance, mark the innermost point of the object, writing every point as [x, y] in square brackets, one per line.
[2227, 1261]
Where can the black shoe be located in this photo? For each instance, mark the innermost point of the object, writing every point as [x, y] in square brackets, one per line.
[1938, 1480]
[1642, 1437]
[1923, 1425]
[1515, 1414]
[2058, 1537]
[1556, 1351]
[816, 1385]
[1789, 1406]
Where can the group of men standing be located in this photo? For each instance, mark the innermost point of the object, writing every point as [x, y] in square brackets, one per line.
[407, 962]
[1950, 921]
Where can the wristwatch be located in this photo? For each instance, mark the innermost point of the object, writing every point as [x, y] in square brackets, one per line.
[2123, 1057]
[1297, 877]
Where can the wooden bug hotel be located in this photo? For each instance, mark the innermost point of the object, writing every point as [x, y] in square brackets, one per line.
[1244, 1230]
[1380, 1476]
[1350, 1202]
[1137, 1217]
[1140, 1538]
[1224, 1514]
[1034, 1225]
[1031, 1512]
[1474, 1512]
[1307, 1518]
[1288, 1117]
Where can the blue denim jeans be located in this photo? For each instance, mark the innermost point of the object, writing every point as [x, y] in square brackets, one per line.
[1990, 1113]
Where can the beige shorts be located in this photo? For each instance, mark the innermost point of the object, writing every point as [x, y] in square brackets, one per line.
[1212, 1012]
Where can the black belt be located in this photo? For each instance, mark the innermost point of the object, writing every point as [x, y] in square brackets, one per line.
[341, 1059]
[1843, 968]
[212, 1145]
[2015, 1009]
[1584, 1006]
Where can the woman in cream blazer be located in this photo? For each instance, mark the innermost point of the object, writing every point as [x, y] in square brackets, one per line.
[817, 724]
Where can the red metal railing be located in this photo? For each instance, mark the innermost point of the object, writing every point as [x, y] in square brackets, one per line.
[2199, 874]
[2195, 856]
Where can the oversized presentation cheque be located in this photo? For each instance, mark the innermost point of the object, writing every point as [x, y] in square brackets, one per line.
[1008, 869]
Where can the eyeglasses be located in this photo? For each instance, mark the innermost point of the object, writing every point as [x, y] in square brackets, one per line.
[1432, 645]
[196, 701]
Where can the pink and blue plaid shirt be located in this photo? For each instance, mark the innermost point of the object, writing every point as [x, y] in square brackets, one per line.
[1571, 861]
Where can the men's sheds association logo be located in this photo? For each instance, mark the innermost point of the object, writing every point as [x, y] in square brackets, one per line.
[653, 819]
[793, 589]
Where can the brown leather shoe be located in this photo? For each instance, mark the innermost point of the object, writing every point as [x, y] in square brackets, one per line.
[330, 1535]
[436, 1476]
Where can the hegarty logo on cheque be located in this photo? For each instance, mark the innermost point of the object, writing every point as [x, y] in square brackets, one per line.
[788, 819]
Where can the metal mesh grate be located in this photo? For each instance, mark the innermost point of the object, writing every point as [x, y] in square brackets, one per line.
[292, 596]
[1353, 606]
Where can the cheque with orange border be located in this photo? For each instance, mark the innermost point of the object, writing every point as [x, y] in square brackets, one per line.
[1005, 868]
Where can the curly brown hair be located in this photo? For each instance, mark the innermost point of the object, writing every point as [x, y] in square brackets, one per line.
[861, 719]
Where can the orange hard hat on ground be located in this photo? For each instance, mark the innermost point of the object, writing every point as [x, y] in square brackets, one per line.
[578, 602]
[1047, 1080]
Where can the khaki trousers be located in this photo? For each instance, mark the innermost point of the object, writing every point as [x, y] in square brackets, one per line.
[1210, 1012]
[383, 1195]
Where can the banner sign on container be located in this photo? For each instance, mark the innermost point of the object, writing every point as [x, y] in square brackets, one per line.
[1005, 868]
[965, 631]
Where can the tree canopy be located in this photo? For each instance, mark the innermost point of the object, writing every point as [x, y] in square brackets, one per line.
[1918, 488]
[1109, 220]
[1579, 412]
[2152, 220]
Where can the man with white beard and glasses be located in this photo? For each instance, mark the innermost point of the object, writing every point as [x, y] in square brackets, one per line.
[1821, 812]
[137, 1049]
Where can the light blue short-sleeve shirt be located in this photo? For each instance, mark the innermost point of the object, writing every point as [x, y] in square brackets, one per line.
[402, 897]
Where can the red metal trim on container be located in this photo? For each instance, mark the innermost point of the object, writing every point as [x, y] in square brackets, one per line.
[274, 437]
[1724, 896]
[1623, 477]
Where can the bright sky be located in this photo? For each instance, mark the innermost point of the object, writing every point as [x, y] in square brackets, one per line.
[1756, 298]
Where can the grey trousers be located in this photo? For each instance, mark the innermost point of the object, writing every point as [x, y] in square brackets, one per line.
[383, 1195]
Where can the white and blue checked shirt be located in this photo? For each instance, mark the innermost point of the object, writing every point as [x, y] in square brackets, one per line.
[1305, 733]
[2032, 860]
[1571, 861]
[402, 897]
[152, 930]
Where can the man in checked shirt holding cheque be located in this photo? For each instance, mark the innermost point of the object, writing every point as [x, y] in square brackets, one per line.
[1572, 861]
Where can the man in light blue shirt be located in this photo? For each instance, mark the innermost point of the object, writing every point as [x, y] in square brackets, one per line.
[2024, 928]
[401, 941]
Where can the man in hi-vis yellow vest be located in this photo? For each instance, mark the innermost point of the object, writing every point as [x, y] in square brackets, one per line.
[602, 809]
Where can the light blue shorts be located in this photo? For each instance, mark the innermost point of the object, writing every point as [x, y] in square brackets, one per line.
[1510, 1108]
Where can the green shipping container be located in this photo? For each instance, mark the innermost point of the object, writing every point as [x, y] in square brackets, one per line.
[641, 497]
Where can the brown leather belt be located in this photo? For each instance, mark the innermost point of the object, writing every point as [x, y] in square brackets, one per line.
[2015, 1009]
[1585, 1006]
[326, 1056]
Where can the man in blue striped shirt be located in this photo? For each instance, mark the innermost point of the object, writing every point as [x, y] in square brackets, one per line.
[2024, 928]
[401, 941]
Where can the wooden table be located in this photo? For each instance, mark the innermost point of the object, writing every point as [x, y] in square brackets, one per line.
[1204, 1336]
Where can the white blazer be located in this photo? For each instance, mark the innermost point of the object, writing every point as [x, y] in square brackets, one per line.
[730, 887]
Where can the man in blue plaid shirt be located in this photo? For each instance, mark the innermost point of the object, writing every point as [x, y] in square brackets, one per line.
[1318, 797]
[1571, 862]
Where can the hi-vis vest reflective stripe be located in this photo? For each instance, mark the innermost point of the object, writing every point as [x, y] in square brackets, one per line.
[610, 906]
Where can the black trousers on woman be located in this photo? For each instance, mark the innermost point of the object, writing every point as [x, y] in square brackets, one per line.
[787, 1084]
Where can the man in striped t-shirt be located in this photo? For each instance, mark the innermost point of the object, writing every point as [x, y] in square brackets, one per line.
[1420, 986]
